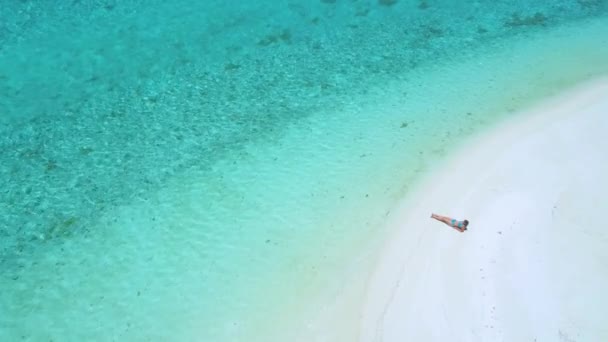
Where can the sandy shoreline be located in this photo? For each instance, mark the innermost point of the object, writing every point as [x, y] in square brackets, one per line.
[534, 265]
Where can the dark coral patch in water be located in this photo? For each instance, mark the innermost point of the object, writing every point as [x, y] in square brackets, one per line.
[387, 2]
[538, 19]
[284, 36]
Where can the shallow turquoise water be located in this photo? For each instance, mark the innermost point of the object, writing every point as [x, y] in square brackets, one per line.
[179, 171]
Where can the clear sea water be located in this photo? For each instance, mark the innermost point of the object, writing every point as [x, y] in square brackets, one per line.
[204, 171]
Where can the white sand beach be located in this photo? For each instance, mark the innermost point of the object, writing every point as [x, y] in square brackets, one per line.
[534, 264]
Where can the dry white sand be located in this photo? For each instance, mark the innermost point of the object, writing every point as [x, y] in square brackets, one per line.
[534, 264]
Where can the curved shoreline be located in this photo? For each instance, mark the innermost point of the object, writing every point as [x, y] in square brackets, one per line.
[511, 275]
[286, 229]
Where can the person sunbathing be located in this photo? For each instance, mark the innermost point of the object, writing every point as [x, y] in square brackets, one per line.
[458, 225]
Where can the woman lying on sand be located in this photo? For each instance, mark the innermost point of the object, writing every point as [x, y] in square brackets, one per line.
[458, 225]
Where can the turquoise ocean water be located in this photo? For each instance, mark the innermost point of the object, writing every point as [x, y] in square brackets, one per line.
[198, 171]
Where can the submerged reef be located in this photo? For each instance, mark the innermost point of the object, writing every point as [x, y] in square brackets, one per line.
[516, 20]
[387, 2]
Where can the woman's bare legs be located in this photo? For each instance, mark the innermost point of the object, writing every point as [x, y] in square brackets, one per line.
[443, 219]
[447, 221]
